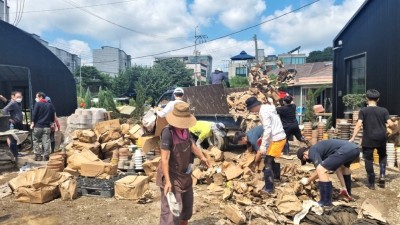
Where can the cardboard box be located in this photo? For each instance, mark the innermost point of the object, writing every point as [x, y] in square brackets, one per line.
[148, 143]
[150, 168]
[36, 195]
[76, 160]
[136, 132]
[102, 127]
[131, 187]
[161, 122]
[98, 169]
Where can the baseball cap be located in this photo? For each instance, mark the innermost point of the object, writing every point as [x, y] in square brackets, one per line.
[300, 154]
[219, 69]
[179, 90]
[252, 102]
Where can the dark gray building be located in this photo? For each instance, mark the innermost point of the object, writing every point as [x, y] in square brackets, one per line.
[28, 66]
[366, 55]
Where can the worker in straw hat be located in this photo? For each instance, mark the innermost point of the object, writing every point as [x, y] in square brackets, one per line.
[330, 156]
[174, 171]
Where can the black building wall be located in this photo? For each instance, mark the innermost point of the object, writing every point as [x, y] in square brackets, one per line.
[48, 73]
[375, 31]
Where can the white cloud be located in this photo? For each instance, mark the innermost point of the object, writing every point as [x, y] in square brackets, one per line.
[233, 14]
[313, 27]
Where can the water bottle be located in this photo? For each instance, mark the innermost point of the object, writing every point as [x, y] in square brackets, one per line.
[11, 126]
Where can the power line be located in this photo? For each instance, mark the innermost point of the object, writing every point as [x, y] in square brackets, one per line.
[73, 8]
[233, 33]
[118, 25]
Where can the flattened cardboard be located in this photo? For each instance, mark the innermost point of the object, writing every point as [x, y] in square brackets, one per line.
[136, 132]
[76, 160]
[161, 122]
[131, 187]
[150, 168]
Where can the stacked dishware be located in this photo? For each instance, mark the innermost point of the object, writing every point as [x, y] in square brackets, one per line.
[391, 154]
[321, 129]
[398, 156]
[138, 159]
[307, 131]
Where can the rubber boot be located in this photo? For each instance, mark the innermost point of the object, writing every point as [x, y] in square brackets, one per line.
[325, 190]
[276, 168]
[371, 181]
[14, 150]
[269, 180]
[347, 181]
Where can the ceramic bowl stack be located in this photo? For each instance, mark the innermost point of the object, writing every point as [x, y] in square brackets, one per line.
[123, 158]
[391, 154]
[398, 156]
[343, 130]
[321, 129]
[307, 131]
[138, 157]
[314, 137]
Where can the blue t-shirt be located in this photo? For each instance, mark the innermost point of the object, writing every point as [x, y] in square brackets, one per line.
[253, 135]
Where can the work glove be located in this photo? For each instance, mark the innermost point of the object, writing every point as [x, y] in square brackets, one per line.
[198, 143]
[304, 181]
[344, 193]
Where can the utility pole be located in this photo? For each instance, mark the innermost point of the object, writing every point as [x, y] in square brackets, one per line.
[256, 47]
[198, 39]
[5, 15]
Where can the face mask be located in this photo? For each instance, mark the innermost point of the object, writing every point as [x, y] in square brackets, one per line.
[18, 100]
[37, 99]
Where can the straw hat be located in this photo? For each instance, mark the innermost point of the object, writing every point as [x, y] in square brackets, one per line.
[180, 116]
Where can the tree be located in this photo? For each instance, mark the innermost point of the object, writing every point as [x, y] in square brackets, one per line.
[320, 56]
[176, 72]
[92, 78]
[311, 96]
[88, 99]
[124, 82]
[238, 81]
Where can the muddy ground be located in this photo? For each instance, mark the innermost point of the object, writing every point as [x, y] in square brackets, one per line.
[208, 208]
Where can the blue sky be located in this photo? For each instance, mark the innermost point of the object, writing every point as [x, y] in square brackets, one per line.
[155, 26]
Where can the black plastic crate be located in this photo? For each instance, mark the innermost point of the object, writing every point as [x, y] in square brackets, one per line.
[96, 192]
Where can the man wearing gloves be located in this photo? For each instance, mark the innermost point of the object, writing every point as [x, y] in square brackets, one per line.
[204, 130]
[273, 135]
[330, 156]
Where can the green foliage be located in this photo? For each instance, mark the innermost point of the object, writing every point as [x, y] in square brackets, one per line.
[140, 99]
[132, 102]
[320, 56]
[311, 96]
[354, 101]
[238, 81]
[176, 71]
[102, 98]
[88, 99]
[125, 81]
[92, 78]
[329, 122]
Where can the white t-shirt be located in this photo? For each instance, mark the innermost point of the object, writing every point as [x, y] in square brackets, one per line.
[168, 108]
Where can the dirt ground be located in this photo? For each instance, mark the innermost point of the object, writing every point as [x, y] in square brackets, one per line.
[208, 208]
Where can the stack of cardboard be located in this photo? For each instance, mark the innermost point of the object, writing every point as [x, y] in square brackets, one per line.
[262, 87]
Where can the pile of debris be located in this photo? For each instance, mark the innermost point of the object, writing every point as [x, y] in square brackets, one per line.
[263, 88]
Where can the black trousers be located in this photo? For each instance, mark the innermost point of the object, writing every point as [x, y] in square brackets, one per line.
[368, 155]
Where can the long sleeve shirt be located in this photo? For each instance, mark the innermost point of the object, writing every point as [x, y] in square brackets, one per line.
[202, 129]
[168, 108]
[273, 130]
[43, 114]
[14, 109]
